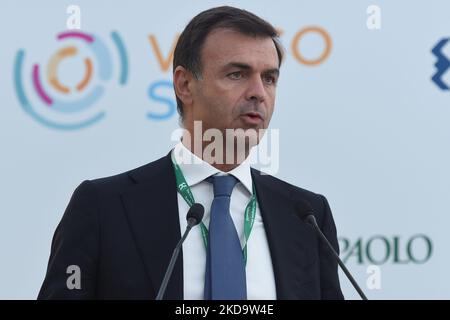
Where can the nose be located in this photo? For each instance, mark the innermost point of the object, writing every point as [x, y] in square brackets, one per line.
[256, 91]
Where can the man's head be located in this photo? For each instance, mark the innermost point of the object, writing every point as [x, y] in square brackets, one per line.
[225, 69]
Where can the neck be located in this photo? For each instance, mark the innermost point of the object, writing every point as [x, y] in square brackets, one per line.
[224, 159]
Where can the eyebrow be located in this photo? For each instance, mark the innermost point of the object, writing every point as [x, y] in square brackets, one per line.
[244, 66]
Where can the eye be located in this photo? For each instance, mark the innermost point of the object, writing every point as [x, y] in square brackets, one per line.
[235, 75]
[270, 79]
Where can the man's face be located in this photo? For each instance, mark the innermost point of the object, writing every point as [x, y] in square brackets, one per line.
[238, 82]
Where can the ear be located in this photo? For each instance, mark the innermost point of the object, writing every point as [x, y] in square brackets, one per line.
[181, 81]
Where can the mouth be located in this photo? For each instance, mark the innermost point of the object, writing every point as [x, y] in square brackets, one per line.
[252, 117]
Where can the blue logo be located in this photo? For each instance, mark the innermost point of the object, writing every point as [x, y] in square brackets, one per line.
[442, 64]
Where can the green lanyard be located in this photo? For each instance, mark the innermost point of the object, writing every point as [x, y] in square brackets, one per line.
[186, 193]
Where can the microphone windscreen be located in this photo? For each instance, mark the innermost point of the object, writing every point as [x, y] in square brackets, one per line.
[196, 212]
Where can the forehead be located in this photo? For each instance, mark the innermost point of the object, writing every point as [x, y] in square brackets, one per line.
[223, 46]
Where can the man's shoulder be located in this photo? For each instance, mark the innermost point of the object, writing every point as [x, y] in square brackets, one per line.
[122, 181]
[290, 192]
[282, 186]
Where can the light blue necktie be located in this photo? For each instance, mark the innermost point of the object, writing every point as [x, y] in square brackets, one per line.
[225, 269]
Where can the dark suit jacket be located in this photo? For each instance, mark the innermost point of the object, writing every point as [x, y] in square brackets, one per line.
[121, 232]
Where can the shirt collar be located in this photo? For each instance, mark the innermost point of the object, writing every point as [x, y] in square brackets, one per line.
[195, 170]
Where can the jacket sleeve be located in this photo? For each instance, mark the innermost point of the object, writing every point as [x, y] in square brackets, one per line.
[330, 286]
[73, 263]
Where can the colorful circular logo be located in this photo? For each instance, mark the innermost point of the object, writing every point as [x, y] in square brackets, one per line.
[60, 105]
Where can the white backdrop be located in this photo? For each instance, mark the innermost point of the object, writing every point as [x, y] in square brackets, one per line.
[366, 127]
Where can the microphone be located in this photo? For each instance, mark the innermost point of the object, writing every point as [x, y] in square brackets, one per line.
[193, 217]
[305, 213]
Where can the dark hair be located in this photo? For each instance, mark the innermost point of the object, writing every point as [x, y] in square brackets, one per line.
[188, 49]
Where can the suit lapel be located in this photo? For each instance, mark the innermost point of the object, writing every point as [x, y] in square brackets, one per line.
[152, 211]
[289, 239]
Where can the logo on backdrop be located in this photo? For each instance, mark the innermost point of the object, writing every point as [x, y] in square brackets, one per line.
[383, 249]
[442, 64]
[54, 99]
[51, 99]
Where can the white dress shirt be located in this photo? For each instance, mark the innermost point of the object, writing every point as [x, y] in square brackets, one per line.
[259, 269]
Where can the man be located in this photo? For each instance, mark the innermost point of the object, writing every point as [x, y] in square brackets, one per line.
[120, 231]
